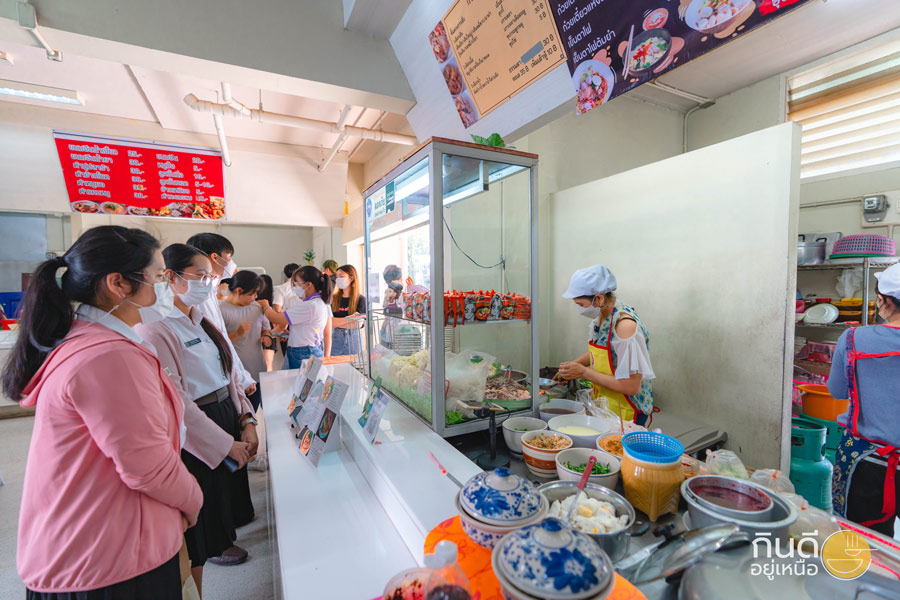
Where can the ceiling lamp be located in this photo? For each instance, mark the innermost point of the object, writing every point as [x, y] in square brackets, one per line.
[40, 92]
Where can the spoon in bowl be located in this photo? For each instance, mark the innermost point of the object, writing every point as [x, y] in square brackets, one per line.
[581, 483]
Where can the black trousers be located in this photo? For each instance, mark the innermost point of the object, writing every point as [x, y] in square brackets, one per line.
[162, 583]
[866, 496]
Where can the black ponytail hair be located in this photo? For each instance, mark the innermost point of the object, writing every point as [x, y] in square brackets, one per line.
[321, 282]
[179, 257]
[47, 311]
[247, 281]
[266, 288]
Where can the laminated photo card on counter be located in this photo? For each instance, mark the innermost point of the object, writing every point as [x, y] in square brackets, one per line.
[318, 419]
[310, 370]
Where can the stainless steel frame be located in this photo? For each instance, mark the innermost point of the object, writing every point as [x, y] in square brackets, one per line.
[434, 150]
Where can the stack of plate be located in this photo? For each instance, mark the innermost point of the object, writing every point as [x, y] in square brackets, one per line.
[821, 314]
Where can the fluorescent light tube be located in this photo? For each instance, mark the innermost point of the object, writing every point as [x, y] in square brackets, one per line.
[40, 92]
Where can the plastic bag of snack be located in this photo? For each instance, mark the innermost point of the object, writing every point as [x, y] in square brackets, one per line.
[523, 307]
[496, 306]
[811, 524]
[725, 463]
[508, 309]
[426, 301]
[409, 309]
[449, 310]
[773, 479]
[419, 305]
[482, 306]
[469, 300]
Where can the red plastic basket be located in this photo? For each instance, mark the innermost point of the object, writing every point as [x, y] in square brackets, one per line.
[865, 244]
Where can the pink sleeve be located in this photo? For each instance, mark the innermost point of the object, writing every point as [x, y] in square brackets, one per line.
[239, 397]
[122, 402]
[205, 439]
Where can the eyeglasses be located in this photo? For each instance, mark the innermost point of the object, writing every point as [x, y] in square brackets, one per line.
[158, 278]
[205, 279]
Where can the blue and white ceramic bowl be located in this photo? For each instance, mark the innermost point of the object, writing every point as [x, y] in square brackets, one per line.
[500, 498]
[488, 535]
[549, 560]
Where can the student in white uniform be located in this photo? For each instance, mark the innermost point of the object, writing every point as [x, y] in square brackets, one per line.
[283, 298]
[220, 252]
[196, 356]
[309, 320]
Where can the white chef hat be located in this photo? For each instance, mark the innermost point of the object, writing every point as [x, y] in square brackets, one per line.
[591, 281]
[889, 281]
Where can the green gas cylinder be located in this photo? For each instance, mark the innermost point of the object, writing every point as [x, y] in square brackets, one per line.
[835, 432]
[810, 470]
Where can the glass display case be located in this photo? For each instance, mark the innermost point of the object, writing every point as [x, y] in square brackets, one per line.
[451, 268]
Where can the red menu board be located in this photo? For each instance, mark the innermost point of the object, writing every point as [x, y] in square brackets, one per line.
[117, 177]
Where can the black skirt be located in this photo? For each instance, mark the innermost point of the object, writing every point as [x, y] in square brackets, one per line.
[162, 583]
[226, 495]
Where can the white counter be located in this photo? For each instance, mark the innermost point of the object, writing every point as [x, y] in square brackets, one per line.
[345, 528]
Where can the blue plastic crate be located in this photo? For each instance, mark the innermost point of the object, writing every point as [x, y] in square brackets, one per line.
[10, 302]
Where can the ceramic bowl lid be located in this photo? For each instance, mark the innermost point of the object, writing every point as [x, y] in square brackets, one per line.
[550, 560]
[499, 497]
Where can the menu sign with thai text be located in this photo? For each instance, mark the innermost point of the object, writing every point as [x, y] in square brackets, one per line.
[613, 46]
[146, 179]
[490, 50]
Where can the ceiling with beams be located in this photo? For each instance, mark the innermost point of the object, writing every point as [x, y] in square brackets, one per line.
[131, 92]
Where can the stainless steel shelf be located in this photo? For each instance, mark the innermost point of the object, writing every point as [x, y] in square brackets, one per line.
[382, 314]
[872, 265]
[826, 325]
[826, 267]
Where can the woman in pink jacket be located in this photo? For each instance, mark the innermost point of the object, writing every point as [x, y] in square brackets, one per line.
[106, 497]
[218, 416]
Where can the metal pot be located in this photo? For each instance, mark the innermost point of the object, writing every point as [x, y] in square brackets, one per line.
[614, 544]
[740, 486]
[811, 253]
[784, 514]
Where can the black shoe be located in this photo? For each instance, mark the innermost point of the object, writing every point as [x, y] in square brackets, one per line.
[233, 556]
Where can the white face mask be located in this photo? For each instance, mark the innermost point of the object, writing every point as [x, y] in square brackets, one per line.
[230, 268]
[591, 312]
[159, 310]
[342, 283]
[299, 291]
[197, 293]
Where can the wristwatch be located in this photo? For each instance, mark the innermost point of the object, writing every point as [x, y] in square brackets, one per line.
[249, 421]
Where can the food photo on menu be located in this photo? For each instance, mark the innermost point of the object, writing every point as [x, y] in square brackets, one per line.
[453, 79]
[643, 40]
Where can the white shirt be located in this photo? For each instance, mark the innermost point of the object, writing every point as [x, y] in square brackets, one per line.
[308, 320]
[203, 371]
[281, 292]
[92, 314]
[210, 310]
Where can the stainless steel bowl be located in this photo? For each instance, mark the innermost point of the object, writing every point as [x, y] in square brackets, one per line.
[740, 486]
[614, 544]
[784, 514]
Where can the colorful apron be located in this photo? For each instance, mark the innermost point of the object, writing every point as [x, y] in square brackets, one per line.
[603, 361]
[855, 448]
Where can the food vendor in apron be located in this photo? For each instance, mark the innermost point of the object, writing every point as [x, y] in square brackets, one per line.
[866, 369]
[617, 363]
